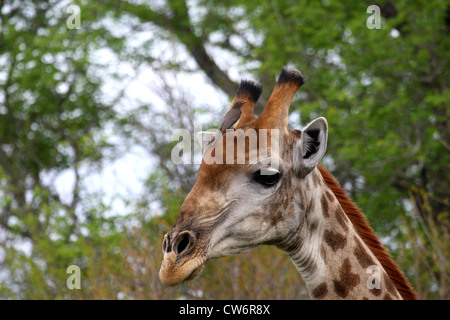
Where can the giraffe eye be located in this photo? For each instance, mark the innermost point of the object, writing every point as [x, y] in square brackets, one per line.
[266, 180]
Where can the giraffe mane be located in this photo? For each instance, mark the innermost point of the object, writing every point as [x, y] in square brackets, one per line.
[366, 232]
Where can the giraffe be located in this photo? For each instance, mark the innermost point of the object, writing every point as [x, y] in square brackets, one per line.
[295, 205]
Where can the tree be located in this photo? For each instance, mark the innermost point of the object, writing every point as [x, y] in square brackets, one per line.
[383, 91]
[50, 122]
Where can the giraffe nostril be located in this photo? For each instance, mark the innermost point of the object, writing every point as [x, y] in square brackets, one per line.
[184, 241]
[183, 244]
[165, 246]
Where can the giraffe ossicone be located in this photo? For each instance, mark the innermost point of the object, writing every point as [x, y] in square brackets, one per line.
[284, 198]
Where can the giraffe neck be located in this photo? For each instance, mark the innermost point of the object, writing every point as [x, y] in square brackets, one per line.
[328, 252]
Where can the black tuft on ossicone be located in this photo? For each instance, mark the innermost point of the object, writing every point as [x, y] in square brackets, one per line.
[251, 88]
[291, 75]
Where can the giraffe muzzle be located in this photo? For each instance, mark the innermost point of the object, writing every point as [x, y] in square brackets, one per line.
[178, 263]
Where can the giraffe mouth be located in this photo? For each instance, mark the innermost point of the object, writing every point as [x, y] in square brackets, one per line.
[173, 273]
[194, 274]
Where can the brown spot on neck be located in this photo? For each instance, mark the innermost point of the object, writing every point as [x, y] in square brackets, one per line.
[376, 292]
[334, 240]
[347, 280]
[330, 196]
[362, 255]
[390, 287]
[340, 217]
[320, 291]
[324, 203]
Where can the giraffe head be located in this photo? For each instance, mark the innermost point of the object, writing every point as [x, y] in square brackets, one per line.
[249, 187]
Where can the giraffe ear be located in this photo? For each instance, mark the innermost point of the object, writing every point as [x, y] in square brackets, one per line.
[311, 146]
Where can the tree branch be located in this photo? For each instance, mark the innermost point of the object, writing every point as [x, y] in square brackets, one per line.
[179, 25]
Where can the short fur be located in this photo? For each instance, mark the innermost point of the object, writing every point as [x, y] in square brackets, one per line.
[276, 112]
[367, 234]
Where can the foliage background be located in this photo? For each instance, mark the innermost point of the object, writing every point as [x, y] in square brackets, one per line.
[75, 102]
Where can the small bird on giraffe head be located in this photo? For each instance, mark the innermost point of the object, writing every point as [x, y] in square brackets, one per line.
[232, 116]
